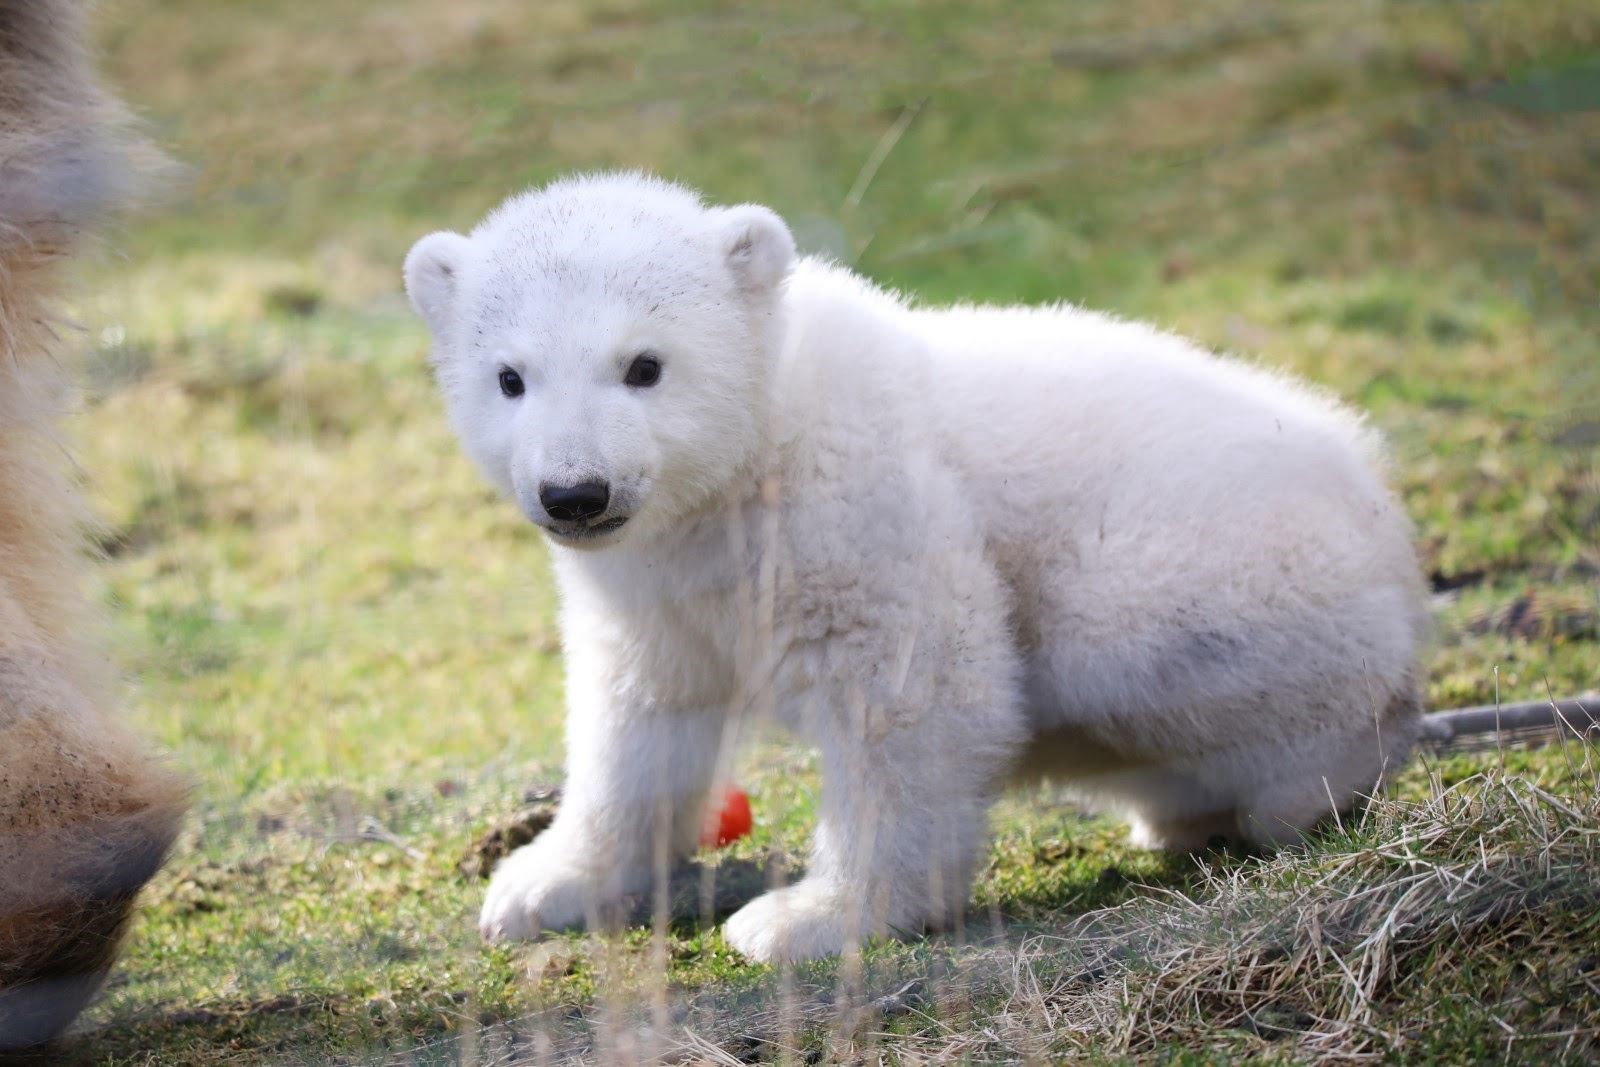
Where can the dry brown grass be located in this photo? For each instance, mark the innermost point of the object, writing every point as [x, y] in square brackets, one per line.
[1320, 949]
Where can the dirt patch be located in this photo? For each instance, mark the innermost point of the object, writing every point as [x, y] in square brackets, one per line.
[1542, 614]
[509, 835]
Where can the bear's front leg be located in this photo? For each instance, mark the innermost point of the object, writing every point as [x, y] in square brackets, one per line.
[637, 779]
[906, 791]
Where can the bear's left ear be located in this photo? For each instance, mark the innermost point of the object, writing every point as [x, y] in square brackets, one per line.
[758, 245]
[433, 277]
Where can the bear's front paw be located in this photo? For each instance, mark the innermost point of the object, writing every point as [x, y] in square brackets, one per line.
[536, 889]
[807, 921]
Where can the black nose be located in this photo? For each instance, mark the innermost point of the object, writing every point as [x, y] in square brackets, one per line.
[574, 503]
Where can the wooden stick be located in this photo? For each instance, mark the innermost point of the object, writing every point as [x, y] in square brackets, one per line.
[1533, 720]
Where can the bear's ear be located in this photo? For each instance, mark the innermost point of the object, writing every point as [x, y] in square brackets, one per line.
[433, 276]
[758, 245]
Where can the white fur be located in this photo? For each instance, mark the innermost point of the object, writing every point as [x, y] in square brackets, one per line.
[944, 545]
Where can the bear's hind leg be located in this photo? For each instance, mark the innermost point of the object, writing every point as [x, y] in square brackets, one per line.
[1169, 808]
[1325, 777]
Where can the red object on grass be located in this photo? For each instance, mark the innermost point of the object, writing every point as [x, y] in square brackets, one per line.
[731, 822]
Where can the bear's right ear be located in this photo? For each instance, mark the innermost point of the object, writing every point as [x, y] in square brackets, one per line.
[433, 277]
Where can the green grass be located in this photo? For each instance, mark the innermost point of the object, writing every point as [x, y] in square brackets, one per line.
[349, 643]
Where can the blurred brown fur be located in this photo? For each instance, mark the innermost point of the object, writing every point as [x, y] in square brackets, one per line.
[86, 814]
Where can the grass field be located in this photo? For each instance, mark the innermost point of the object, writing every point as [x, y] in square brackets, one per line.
[348, 642]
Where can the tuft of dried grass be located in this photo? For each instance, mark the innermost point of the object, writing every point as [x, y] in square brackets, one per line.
[1370, 944]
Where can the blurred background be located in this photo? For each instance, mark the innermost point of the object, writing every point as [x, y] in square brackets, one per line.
[348, 641]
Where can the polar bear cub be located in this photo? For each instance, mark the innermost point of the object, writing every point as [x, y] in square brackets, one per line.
[947, 546]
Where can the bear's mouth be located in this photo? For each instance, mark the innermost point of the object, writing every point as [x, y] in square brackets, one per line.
[582, 532]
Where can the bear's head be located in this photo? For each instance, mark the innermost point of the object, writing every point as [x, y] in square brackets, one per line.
[604, 345]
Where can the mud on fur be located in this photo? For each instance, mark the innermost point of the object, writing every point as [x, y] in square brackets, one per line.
[86, 815]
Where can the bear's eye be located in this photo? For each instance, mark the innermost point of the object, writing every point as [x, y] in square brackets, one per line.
[510, 382]
[643, 372]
